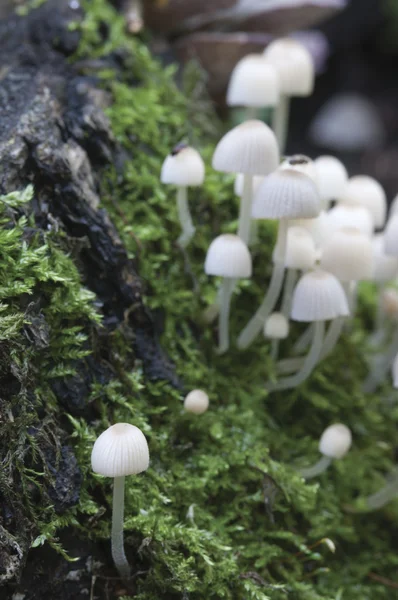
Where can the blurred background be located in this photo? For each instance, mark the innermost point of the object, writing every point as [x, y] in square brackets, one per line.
[353, 112]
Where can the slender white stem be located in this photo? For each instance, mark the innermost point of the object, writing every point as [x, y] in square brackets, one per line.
[385, 495]
[251, 113]
[290, 282]
[274, 349]
[280, 121]
[380, 368]
[309, 362]
[245, 208]
[304, 340]
[184, 216]
[256, 323]
[118, 555]
[321, 466]
[226, 290]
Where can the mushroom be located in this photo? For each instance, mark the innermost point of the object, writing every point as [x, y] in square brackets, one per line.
[250, 148]
[119, 451]
[317, 297]
[276, 328]
[295, 67]
[197, 402]
[331, 177]
[229, 258]
[365, 191]
[334, 444]
[253, 84]
[183, 167]
[285, 194]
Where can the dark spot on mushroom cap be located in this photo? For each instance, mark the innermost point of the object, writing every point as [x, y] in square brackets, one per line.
[299, 159]
[177, 149]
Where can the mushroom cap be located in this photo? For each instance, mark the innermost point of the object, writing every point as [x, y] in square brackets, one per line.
[251, 148]
[317, 227]
[228, 256]
[294, 65]
[318, 296]
[391, 236]
[276, 326]
[335, 441]
[394, 206]
[120, 450]
[385, 267]
[238, 185]
[348, 254]
[349, 215]
[367, 192]
[331, 176]
[183, 167]
[254, 82]
[197, 402]
[286, 194]
[300, 249]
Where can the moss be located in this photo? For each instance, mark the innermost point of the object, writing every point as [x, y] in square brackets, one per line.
[221, 513]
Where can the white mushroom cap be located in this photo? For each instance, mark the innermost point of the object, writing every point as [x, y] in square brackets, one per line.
[349, 215]
[394, 372]
[385, 268]
[391, 236]
[228, 256]
[276, 326]
[317, 227]
[318, 296]
[253, 82]
[301, 163]
[394, 206]
[294, 65]
[300, 249]
[332, 177]
[238, 185]
[248, 148]
[348, 254]
[286, 194]
[183, 167]
[366, 191]
[389, 303]
[335, 441]
[196, 402]
[120, 450]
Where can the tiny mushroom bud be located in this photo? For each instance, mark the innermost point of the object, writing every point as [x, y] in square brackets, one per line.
[196, 402]
[183, 167]
[276, 326]
[334, 444]
[119, 451]
[229, 258]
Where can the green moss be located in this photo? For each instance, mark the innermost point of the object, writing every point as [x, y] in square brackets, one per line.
[221, 513]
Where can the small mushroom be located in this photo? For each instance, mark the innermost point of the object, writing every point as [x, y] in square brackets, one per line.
[229, 258]
[197, 402]
[119, 451]
[183, 167]
[334, 444]
[331, 177]
[365, 191]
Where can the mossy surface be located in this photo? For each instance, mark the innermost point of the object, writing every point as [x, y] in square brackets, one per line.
[222, 512]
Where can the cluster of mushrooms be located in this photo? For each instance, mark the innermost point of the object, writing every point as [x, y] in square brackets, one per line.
[332, 234]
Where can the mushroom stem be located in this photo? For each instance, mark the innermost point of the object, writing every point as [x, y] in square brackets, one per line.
[245, 208]
[291, 279]
[184, 216]
[118, 555]
[304, 340]
[226, 290]
[280, 121]
[379, 369]
[254, 326]
[385, 495]
[309, 362]
[321, 466]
